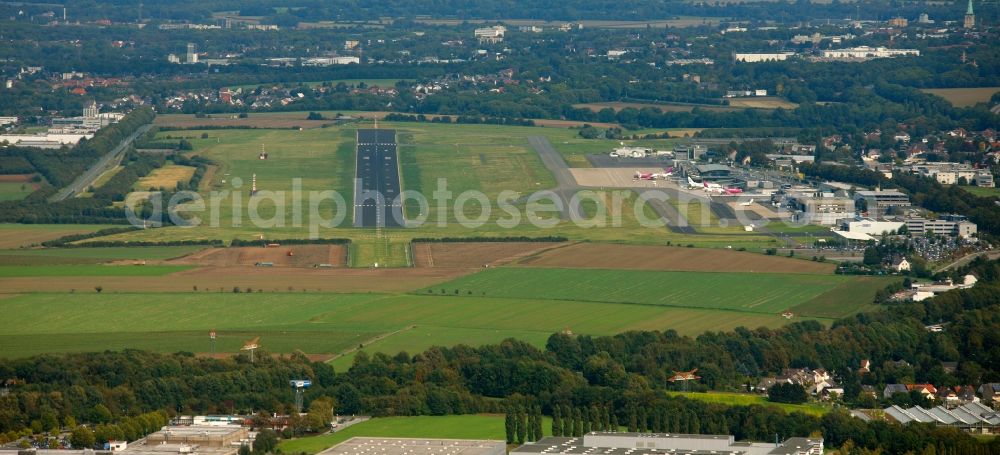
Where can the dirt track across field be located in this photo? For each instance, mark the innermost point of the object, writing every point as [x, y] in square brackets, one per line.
[473, 254]
[300, 256]
[640, 257]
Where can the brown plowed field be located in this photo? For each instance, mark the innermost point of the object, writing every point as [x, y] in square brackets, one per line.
[16, 178]
[302, 256]
[473, 254]
[267, 279]
[640, 257]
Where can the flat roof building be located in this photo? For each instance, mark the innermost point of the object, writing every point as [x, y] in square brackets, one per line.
[955, 227]
[880, 203]
[750, 57]
[408, 446]
[872, 227]
[866, 52]
[659, 443]
[825, 211]
[201, 435]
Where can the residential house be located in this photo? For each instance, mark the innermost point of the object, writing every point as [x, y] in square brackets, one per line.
[901, 265]
[927, 390]
[990, 392]
[892, 389]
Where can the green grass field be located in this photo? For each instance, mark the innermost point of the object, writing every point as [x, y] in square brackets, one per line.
[743, 399]
[760, 293]
[324, 323]
[52, 256]
[849, 297]
[982, 191]
[13, 191]
[16, 271]
[474, 426]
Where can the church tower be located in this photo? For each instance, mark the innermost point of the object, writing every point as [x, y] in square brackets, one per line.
[970, 17]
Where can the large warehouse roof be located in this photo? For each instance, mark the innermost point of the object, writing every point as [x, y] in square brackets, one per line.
[403, 446]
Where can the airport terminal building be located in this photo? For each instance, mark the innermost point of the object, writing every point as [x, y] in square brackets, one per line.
[603, 443]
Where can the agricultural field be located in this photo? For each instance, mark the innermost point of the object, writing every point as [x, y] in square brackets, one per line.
[743, 399]
[323, 323]
[964, 97]
[474, 426]
[763, 102]
[68, 256]
[741, 292]
[448, 254]
[166, 177]
[649, 257]
[849, 297]
[20, 271]
[23, 235]
[13, 191]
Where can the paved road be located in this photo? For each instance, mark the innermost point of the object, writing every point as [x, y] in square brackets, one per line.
[566, 187]
[377, 180]
[990, 255]
[108, 161]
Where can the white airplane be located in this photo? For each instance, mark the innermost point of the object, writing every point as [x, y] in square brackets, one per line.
[666, 173]
[747, 203]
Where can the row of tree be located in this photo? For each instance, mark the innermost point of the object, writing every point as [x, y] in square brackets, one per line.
[523, 425]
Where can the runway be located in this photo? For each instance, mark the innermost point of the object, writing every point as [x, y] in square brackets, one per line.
[376, 183]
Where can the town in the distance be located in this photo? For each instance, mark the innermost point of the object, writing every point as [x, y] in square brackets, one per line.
[472, 227]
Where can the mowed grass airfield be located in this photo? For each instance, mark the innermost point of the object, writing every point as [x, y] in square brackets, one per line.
[432, 295]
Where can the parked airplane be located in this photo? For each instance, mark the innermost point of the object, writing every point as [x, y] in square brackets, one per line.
[747, 203]
[644, 176]
[733, 190]
[666, 173]
[694, 185]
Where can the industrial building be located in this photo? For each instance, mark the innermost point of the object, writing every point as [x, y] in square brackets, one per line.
[953, 225]
[406, 446]
[199, 435]
[761, 57]
[865, 52]
[880, 203]
[491, 35]
[973, 417]
[826, 211]
[871, 227]
[660, 443]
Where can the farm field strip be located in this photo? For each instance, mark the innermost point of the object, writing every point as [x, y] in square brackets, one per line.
[965, 96]
[165, 177]
[19, 235]
[20, 271]
[91, 321]
[13, 191]
[764, 293]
